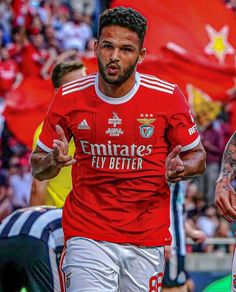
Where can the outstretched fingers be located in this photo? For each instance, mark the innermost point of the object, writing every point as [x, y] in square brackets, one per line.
[175, 152]
[61, 146]
[60, 133]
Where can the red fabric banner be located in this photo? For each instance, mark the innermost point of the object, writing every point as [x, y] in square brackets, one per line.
[192, 44]
[26, 108]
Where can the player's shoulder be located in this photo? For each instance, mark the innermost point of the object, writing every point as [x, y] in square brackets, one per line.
[78, 85]
[154, 83]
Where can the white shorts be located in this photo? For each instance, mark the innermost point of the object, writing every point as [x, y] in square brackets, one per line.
[100, 266]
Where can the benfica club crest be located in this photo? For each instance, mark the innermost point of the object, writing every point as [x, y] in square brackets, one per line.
[146, 129]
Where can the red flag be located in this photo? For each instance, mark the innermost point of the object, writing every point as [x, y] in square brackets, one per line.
[192, 44]
[185, 69]
[26, 108]
[205, 28]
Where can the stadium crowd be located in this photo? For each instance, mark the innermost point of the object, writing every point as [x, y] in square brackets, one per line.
[34, 38]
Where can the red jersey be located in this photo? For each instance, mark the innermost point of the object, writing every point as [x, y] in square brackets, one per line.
[33, 60]
[120, 193]
[8, 72]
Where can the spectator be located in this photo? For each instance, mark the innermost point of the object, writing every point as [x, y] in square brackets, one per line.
[5, 21]
[85, 7]
[214, 147]
[34, 55]
[15, 47]
[208, 221]
[5, 195]
[10, 76]
[20, 182]
[191, 193]
[222, 231]
[76, 33]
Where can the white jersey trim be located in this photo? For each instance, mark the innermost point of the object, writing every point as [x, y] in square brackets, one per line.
[44, 147]
[78, 83]
[79, 79]
[157, 79]
[157, 82]
[191, 145]
[157, 88]
[118, 100]
[78, 88]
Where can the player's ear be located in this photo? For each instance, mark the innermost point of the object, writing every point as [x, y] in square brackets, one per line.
[95, 47]
[142, 54]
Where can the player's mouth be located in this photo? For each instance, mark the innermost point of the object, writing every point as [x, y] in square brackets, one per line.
[113, 69]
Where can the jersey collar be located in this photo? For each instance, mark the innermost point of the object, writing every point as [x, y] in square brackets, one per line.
[118, 100]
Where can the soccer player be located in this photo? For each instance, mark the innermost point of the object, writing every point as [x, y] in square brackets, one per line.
[53, 192]
[225, 195]
[31, 241]
[116, 219]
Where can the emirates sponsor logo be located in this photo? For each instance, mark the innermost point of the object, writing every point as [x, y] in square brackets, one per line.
[116, 156]
[110, 149]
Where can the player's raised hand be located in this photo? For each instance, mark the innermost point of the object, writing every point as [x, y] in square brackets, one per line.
[60, 149]
[174, 165]
[225, 199]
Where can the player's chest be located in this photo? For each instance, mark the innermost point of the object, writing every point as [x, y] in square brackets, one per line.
[124, 123]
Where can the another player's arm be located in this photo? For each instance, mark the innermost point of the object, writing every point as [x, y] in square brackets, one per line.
[48, 165]
[225, 195]
[185, 165]
[228, 165]
[38, 192]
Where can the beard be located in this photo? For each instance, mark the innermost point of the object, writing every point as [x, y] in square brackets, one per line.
[121, 78]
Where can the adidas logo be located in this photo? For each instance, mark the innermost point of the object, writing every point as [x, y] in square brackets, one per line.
[83, 125]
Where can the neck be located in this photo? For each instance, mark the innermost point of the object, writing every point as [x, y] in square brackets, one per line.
[114, 90]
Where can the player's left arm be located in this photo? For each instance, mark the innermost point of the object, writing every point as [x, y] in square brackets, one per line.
[188, 159]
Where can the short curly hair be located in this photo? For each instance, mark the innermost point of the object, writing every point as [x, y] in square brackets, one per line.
[125, 17]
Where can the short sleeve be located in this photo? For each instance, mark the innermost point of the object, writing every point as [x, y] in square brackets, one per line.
[182, 129]
[56, 114]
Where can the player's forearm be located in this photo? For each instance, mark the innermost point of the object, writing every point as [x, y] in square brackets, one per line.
[44, 166]
[228, 164]
[38, 192]
[194, 163]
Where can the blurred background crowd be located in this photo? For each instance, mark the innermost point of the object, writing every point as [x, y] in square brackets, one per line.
[37, 34]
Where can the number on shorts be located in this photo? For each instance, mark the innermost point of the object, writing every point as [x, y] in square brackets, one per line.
[155, 283]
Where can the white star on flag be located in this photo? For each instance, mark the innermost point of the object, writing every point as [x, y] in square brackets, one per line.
[218, 45]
